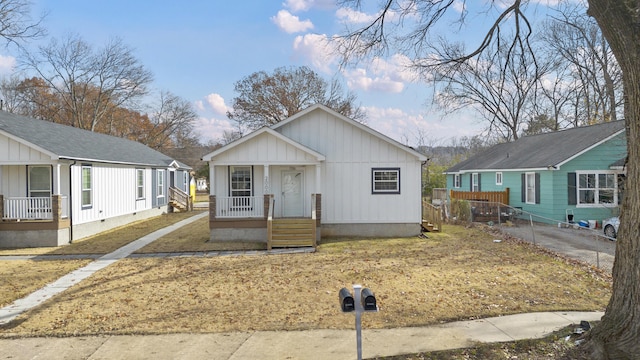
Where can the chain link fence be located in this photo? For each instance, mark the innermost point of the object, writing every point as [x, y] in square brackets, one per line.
[581, 243]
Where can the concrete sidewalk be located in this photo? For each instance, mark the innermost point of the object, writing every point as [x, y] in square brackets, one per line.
[311, 344]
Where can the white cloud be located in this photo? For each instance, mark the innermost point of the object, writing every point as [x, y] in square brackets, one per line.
[212, 129]
[7, 64]
[382, 75]
[304, 5]
[408, 127]
[459, 6]
[316, 49]
[352, 16]
[217, 104]
[291, 23]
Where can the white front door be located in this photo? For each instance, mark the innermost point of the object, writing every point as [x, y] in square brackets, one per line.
[292, 193]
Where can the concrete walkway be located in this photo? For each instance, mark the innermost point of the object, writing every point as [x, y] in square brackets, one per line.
[310, 344]
[10, 312]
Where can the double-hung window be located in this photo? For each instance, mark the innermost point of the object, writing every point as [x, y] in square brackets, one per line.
[241, 186]
[530, 188]
[597, 189]
[498, 178]
[456, 181]
[385, 181]
[39, 181]
[139, 183]
[160, 183]
[87, 186]
[475, 182]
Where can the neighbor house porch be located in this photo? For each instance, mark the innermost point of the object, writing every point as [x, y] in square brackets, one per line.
[33, 209]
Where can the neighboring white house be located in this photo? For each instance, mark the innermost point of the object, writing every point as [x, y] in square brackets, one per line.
[353, 180]
[59, 183]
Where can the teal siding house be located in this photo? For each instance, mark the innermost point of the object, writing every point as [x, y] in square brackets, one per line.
[577, 171]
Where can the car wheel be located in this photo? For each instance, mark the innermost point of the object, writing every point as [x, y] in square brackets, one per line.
[610, 231]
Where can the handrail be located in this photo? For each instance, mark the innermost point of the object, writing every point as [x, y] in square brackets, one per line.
[180, 197]
[432, 214]
[272, 203]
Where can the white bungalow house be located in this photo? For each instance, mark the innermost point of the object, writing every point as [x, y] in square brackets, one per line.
[59, 183]
[316, 174]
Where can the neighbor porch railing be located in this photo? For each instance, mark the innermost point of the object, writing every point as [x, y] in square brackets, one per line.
[32, 208]
[240, 206]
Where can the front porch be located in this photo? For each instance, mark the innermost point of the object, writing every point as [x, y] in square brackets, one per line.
[34, 221]
[252, 219]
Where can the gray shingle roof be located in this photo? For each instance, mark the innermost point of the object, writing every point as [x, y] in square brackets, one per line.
[76, 144]
[540, 151]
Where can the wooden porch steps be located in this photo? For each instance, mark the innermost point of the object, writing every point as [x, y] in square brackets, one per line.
[429, 226]
[293, 232]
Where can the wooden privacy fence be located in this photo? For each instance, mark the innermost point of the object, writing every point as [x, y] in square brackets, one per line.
[501, 197]
[485, 205]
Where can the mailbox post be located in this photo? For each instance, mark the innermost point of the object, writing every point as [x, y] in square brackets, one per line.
[363, 300]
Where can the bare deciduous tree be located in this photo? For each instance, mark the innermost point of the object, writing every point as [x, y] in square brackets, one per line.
[500, 84]
[265, 99]
[89, 83]
[575, 38]
[16, 22]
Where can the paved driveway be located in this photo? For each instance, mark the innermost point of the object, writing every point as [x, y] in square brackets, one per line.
[581, 244]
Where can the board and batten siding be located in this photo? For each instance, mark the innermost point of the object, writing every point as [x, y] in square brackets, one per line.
[14, 152]
[351, 154]
[264, 149]
[113, 192]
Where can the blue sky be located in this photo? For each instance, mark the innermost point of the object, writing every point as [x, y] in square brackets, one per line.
[198, 49]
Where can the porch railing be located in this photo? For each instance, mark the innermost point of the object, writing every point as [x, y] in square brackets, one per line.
[240, 206]
[32, 208]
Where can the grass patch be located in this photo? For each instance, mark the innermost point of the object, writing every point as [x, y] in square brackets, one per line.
[19, 278]
[108, 241]
[195, 237]
[459, 274]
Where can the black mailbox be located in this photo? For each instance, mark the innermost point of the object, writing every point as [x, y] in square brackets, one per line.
[368, 300]
[346, 300]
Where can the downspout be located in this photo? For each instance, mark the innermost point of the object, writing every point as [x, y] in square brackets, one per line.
[70, 203]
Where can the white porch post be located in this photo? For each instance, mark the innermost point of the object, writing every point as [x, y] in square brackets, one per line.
[318, 179]
[212, 176]
[56, 179]
[267, 184]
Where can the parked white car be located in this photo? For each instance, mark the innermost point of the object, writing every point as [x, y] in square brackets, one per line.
[610, 227]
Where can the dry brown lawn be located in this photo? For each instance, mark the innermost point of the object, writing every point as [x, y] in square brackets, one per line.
[19, 278]
[458, 274]
[108, 241]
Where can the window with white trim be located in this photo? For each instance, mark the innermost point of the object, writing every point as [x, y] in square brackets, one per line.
[241, 187]
[385, 181]
[185, 180]
[530, 188]
[498, 178]
[597, 189]
[160, 183]
[39, 181]
[139, 183]
[240, 182]
[475, 182]
[456, 181]
[87, 186]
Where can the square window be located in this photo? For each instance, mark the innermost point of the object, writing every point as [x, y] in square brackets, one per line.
[385, 181]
